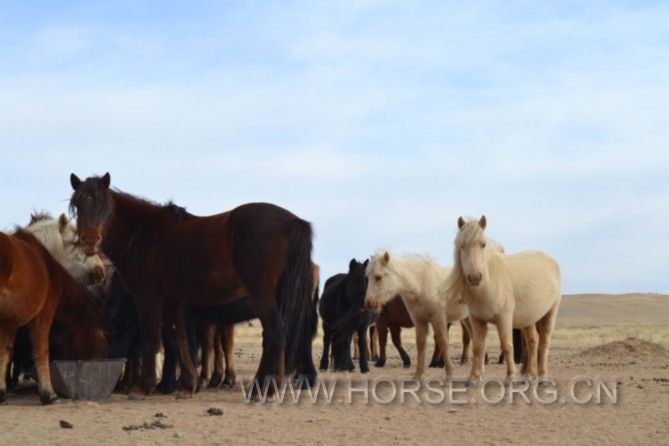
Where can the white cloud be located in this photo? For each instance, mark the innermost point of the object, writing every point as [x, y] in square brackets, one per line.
[380, 124]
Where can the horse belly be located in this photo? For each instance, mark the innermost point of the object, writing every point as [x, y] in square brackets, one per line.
[536, 280]
[16, 309]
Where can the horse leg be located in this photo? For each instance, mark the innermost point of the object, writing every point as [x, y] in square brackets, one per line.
[217, 375]
[356, 350]
[168, 379]
[421, 336]
[479, 332]
[519, 347]
[206, 333]
[327, 340]
[504, 329]
[39, 337]
[531, 340]
[382, 333]
[545, 328]
[440, 328]
[6, 341]
[362, 347]
[437, 359]
[466, 340]
[373, 341]
[396, 337]
[188, 378]
[272, 360]
[150, 320]
[229, 351]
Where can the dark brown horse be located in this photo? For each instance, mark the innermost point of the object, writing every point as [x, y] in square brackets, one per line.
[33, 288]
[168, 257]
[394, 316]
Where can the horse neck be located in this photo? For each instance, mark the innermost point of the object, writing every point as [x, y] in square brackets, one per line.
[49, 237]
[409, 276]
[495, 280]
[127, 220]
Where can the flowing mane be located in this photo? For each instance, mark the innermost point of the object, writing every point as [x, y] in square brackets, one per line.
[456, 284]
[54, 234]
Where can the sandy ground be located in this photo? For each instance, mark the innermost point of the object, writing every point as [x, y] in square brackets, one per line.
[639, 416]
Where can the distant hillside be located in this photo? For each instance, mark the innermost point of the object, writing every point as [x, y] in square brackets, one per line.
[607, 309]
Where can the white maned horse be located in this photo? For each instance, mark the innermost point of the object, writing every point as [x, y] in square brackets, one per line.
[59, 237]
[417, 280]
[511, 291]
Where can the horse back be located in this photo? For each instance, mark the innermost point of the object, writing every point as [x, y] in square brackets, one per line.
[5, 257]
[24, 278]
[332, 290]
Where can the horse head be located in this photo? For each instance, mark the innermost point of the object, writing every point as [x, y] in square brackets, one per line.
[92, 206]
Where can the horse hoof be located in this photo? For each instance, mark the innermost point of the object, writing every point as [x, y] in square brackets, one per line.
[215, 381]
[545, 382]
[136, 397]
[3, 397]
[183, 395]
[166, 388]
[380, 362]
[406, 365]
[47, 397]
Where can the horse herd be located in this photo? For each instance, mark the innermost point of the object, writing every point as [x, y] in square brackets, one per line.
[133, 275]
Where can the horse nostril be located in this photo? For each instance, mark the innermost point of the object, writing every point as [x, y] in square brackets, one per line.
[474, 279]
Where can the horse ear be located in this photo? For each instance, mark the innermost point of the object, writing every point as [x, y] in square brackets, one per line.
[483, 222]
[461, 222]
[351, 264]
[62, 223]
[75, 181]
[365, 263]
[386, 258]
[106, 180]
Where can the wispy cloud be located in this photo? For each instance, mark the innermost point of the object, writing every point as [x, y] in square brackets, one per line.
[381, 122]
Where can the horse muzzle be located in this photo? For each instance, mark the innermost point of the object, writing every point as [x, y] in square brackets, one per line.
[374, 305]
[474, 279]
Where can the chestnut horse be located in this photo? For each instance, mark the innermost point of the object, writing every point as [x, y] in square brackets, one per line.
[169, 257]
[33, 286]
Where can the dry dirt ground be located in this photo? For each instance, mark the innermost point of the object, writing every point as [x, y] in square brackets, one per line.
[585, 325]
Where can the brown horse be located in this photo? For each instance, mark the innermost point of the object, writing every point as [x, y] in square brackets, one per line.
[33, 287]
[168, 257]
[394, 316]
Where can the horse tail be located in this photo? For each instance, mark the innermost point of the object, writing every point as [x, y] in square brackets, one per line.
[5, 257]
[295, 295]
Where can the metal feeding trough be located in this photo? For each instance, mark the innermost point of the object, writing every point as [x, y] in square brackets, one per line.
[86, 380]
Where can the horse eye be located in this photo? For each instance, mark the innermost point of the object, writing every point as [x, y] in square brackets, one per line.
[483, 245]
[377, 278]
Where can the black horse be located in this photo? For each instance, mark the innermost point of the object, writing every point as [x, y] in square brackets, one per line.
[343, 313]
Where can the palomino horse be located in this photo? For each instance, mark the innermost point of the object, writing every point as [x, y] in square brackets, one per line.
[33, 286]
[417, 280]
[59, 238]
[511, 291]
[168, 257]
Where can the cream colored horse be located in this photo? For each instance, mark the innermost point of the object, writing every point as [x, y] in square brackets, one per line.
[417, 280]
[59, 237]
[511, 291]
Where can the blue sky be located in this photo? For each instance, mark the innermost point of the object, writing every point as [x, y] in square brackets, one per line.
[380, 122]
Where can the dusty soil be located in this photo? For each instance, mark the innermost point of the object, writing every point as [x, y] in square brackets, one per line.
[636, 368]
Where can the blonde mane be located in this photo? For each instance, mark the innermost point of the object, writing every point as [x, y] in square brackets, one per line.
[49, 235]
[455, 285]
